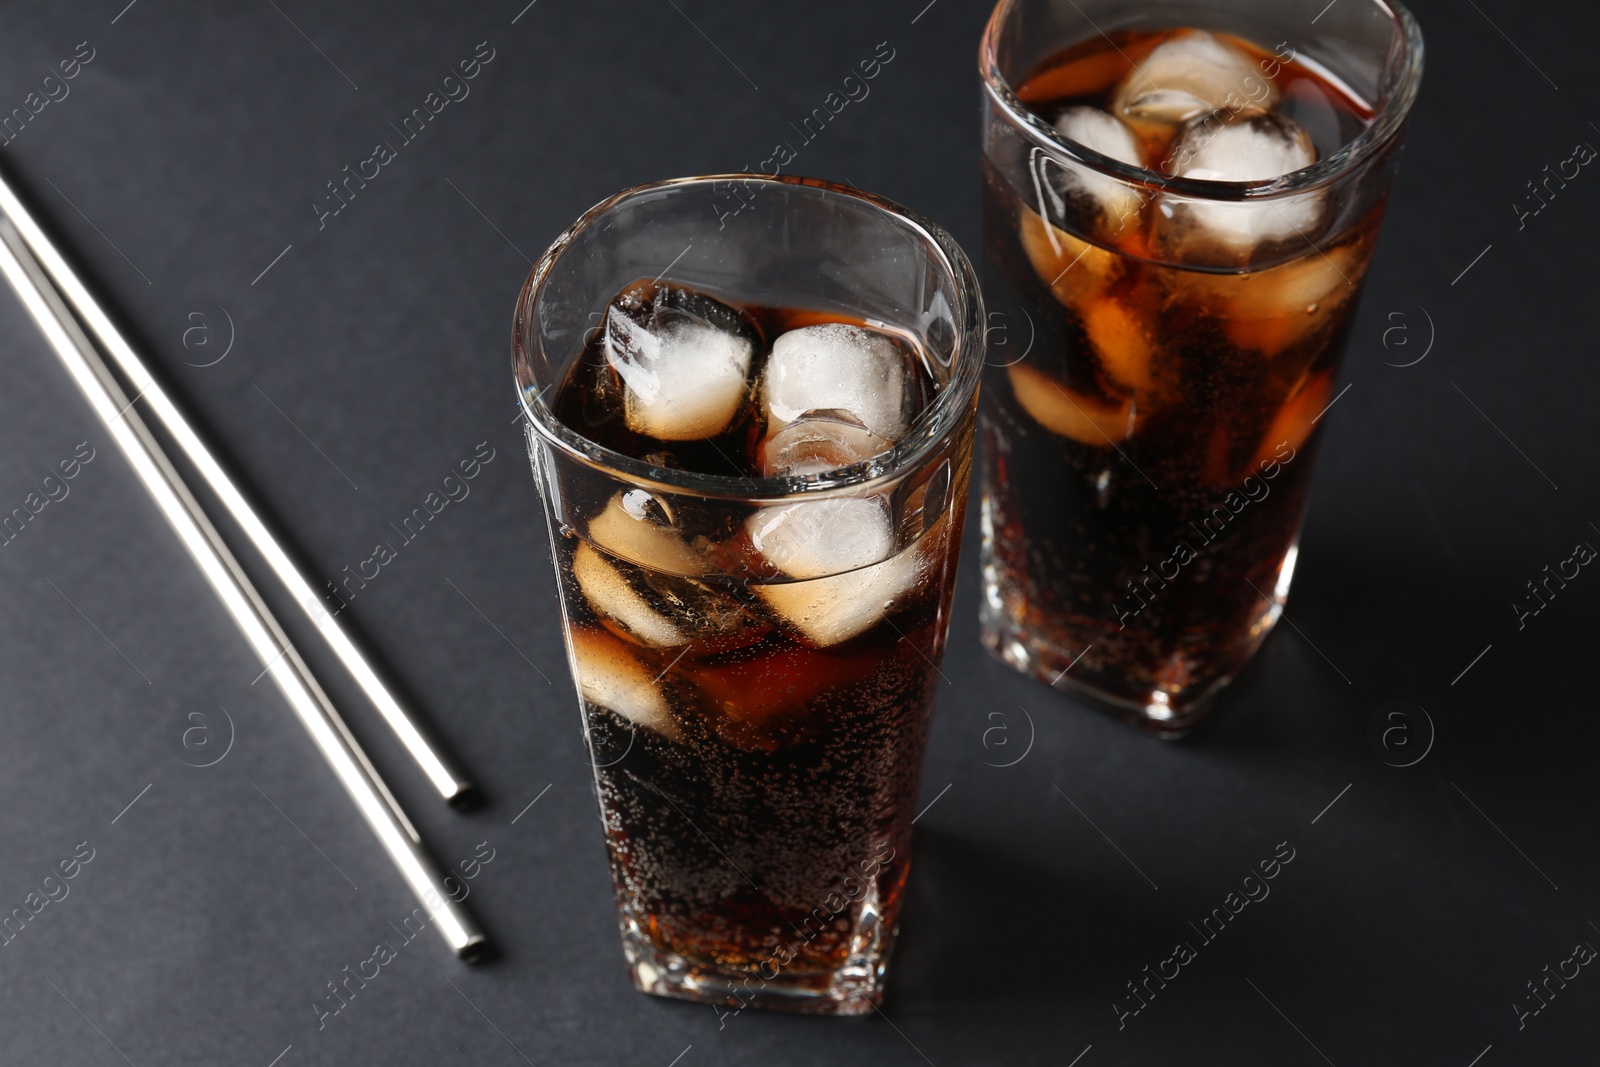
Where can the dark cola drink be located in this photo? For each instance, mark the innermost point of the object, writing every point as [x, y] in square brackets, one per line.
[1152, 414]
[756, 670]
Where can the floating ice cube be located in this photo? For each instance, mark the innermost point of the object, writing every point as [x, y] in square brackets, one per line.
[829, 610]
[684, 371]
[1242, 148]
[1249, 147]
[1120, 337]
[1070, 413]
[612, 597]
[839, 544]
[1303, 285]
[1074, 269]
[637, 526]
[820, 443]
[835, 366]
[835, 608]
[1297, 419]
[1119, 204]
[658, 602]
[1189, 74]
[1270, 310]
[813, 538]
[609, 676]
[1080, 275]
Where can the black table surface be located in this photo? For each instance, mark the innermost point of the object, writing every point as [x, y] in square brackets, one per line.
[348, 362]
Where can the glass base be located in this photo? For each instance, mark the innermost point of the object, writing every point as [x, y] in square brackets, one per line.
[853, 989]
[1169, 711]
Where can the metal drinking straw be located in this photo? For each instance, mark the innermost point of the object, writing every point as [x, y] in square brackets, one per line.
[355, 772]
[451, 783]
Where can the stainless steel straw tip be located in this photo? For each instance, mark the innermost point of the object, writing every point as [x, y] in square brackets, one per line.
[475, 950]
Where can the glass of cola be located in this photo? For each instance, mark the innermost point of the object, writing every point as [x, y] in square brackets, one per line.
[750, 404]
[1180, 203]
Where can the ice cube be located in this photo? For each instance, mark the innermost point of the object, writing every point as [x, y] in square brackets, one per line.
[813, 538]
[1297, 419]
[1074, 269]
[820, 443]
[1119, 204]
[610, 677]
[1270, 310]
[612, 597]
[840, 545]
[684, 362]
[637, 526]
[836, 366]
[1192, 73]
[1080, 275]
[1248, 147]
[1255, 146]
[1120, 336]
[829, 610]
[1070, 413]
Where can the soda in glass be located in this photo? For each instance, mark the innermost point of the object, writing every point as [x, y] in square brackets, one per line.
[751, 405]
[1180, 201]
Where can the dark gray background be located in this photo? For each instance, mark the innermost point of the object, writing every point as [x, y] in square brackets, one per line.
[187, 157]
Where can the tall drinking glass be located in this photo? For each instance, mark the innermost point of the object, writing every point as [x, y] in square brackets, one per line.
[1180, 202]
[755, 655]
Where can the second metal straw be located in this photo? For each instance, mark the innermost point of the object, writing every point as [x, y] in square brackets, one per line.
[451, 783]
[89, 372]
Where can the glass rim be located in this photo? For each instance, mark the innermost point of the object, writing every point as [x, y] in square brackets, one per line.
[1386, 125]
[925, 436]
